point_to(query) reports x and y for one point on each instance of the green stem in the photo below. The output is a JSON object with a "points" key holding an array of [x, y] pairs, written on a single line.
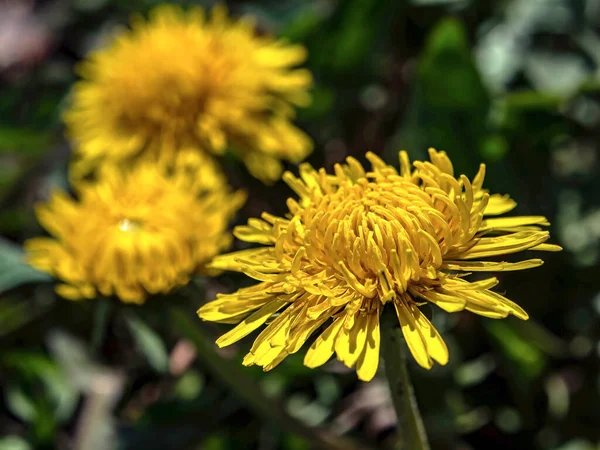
{"points": [[230, 375], [411, 429]]}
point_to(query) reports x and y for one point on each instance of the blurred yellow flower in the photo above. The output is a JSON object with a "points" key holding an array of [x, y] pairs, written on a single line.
{"points": [[135, 232], [181, 79], [357, 240]]}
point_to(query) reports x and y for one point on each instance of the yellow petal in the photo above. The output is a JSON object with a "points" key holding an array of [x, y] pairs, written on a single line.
{"points": [[231, 307], [435, 344], [367, 364], [502, 245], [69, 292], [251, 323], [449, 303], [499, 204], [509, 222], [323, 347], [547, 248], [491, 266], [412, 335], [350, 343]]}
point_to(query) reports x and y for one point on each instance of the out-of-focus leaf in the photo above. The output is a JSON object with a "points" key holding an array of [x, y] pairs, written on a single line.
{"points": [[102, 386], [450, 104], [474, 372], [215, 442], [309, 411], [14, 443], [19, 403], [527, 357], [508, 420], [447, 73], [347, 38], [305, 21], [40, 394], [578, 444], [558, 396], [560, 74], [73, 356], [293, 442], [190, 385], [322, 102], [149, 343], [14, 271], [23, 140], [328, 391]]}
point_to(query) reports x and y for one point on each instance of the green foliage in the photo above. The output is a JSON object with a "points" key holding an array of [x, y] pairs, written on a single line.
{"points": [[38, 392], [149, 343], [13, 269], [513, 84], [450, 104]]}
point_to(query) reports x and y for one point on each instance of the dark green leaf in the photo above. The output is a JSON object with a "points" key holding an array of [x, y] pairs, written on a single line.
{"points": [[13, 269], [149, 343]]}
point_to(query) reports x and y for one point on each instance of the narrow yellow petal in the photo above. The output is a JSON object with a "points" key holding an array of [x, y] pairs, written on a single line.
{"points": [[251, 323], [368, 362], [502, 245], [499, 204], [509, 222], [486, 311], [412, 335], [69, 292], [230, 307], [449, 303], [323, 347], [547, 248], [491, 266], [350, 343], [435, 344]]}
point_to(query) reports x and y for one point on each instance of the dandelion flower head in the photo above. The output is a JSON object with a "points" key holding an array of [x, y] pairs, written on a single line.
{"points": [[135, 232], [181, 79], [356, 240]]}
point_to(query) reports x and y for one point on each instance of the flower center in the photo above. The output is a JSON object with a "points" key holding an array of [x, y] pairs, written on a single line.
{"points": [[379, 240], [129, 226]]}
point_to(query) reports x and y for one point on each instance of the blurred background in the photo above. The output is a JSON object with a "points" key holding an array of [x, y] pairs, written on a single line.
{"points": [[512, 83]]}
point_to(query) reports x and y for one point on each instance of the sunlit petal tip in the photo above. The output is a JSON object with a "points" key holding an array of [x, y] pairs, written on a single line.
{"points": [[548, 248]]}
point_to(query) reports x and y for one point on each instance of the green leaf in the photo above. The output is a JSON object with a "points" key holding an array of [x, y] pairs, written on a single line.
{"points": [[23, 139], [14, 443], [14, 271], [38, 392], [527, 357], [149, 343], [450, 105], [189, 385], [19, 403]]}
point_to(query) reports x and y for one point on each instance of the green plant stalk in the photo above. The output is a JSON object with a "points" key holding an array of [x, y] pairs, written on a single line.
{"points": [[232, 377], [410, 425]]}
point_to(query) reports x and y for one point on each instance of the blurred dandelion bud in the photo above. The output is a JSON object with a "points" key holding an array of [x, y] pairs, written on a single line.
{"points": [[359, 239], [183, 79], [135, 231]]}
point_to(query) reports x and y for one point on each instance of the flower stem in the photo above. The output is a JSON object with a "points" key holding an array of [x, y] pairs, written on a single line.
{"points": [[247, 390], [411, 429]]}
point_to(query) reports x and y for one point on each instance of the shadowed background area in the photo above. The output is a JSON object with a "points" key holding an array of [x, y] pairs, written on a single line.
{"points": [[511, 83]]}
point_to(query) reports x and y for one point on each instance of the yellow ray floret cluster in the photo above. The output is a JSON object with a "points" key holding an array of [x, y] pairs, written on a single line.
{"points": [[135, 232], [356, 240], [181, 79]]}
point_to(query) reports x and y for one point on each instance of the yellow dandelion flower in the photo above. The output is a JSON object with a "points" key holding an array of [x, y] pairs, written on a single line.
{"points": [[135, 232], [185, 80], [356, 240]]}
